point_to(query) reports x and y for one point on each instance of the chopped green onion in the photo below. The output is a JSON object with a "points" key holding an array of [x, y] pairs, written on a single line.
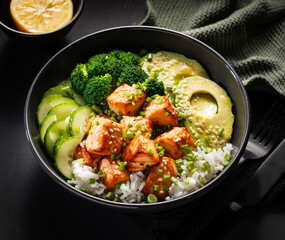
{"points": [[150, 151], [190, 164], [92, 114], [90, 131], [83, 189], [186, 181], [119, 156], [122, 165], [159, 100], [118, 185], [220, 131], [100, 173], [144, 128], [151, 198], [165, 187], [130, 124], [151, 182], [182, 115], [81, 162], [96, 122], [187, 148], [131, 129], [225, 163], [194, 170], [130, 135], [96, 109], [113, 156], [155, 188], [161, 153], [139, 92], [228, 156], [91, 180], [207, 139], [167, 177], [180, 170], [138, 126], [173, 179], [172, 97], [124, 133], [159, 172], [179, 161], [166, 114], [109, 195], [119, 117], [142, 114], [149, 57], [201, 179], [169, 87], [148, 99], [116, 199], [206, 165], [148, 134], [208, 150]]}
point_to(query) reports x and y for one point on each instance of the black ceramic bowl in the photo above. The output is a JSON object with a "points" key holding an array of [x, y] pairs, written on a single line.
{"points": [[134, 38], [9, 28]]}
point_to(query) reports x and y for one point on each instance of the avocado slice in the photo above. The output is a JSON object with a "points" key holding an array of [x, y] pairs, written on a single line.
{"points": [[172, 67], [208, 109]]}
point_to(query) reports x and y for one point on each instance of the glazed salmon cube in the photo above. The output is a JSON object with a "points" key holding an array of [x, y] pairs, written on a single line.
{"points": [[159, 178], [140, 153], [126, 100], [161, 112], [105, 137], [112, 173], [173, 141], [89, 159], [138, 125]]}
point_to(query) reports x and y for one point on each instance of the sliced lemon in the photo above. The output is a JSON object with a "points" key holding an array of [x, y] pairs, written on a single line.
{"points": [[39, 16]]}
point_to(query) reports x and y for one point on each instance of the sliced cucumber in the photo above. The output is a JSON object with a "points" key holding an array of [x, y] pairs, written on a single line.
{"points": [[50, 140], [60, 125], [78, 121], [59, 140], [65, 91], [64, 110], [48, 103], [48, 120], [79, 99], [63, 156]]}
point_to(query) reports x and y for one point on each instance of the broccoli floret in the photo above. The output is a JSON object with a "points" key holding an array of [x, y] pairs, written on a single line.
{"points": [[132, 74], [153, 86], [114, 66], [127, 58], [97, 90], [79, 78]]}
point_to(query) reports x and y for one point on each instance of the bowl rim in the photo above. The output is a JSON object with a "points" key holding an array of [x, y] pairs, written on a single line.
{"points": [[135, 206], [74, 18]]}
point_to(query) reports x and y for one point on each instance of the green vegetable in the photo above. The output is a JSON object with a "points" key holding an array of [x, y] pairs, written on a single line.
{"points": [[79, 78], [152, 86], [150, 151], [91, 180], [156, 188], [97, 90], [159, 172], [167, 177], [220, 131], [187, 148], [109, 195], [131, 74], [151, 198]]}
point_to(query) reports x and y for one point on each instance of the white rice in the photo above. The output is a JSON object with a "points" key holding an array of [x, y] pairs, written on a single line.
{"points": [[131, 191]]}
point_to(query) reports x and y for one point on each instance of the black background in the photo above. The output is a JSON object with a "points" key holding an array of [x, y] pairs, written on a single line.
{"points": [[33, 206]]}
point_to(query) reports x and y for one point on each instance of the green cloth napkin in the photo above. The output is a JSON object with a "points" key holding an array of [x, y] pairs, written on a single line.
{"points": [[250, 35]]}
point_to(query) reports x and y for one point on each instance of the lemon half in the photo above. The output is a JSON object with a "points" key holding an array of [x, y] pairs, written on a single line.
{"points": [[39, 16]]}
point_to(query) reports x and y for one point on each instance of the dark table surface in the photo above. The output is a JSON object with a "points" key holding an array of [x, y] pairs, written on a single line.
{"points": [[32, 205]]}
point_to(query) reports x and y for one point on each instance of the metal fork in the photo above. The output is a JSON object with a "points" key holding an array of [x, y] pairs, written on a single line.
{"points": [[262, 139]]}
